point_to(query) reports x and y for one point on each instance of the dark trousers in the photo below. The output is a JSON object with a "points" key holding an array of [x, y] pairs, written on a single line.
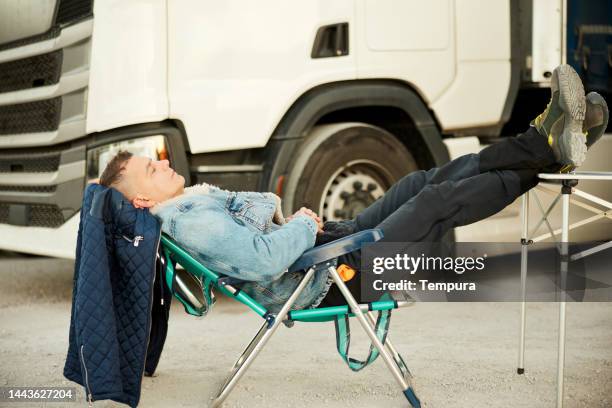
{"points": [[424, 205]]}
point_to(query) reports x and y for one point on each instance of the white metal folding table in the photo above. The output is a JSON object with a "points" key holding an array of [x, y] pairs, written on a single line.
{"points": [[567, 181]]}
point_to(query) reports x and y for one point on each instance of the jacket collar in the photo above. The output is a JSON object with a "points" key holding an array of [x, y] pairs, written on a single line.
{"points": [[200, 189], [204, 189]]}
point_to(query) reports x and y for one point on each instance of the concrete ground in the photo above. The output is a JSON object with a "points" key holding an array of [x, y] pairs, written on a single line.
{"points": [[462, 355]]}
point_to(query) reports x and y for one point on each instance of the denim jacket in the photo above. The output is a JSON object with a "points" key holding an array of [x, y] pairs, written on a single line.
{"points": [[244, 235]]}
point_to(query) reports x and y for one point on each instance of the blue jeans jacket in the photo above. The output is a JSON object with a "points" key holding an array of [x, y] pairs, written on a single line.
{"points": [[244, 235]]}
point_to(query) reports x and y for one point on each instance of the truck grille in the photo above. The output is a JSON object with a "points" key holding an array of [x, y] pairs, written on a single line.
{"points": [[48, 216], [30, 162], [29, 189], [42, 116], [45, 216], [32, 117], [72, 10], [39, 70], [67, 12]]}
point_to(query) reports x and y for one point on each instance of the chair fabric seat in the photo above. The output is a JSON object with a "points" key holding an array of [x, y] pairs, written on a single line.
{"points": [[336, 248]]}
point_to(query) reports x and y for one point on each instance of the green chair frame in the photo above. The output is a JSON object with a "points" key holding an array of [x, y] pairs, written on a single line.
{"points": [[363, 313]]}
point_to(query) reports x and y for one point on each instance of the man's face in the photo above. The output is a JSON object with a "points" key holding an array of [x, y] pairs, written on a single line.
{"points": [[152, 179]]}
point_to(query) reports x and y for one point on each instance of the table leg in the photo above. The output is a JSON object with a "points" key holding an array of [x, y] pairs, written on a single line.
{"points": [[566, 191], [524, 252]]}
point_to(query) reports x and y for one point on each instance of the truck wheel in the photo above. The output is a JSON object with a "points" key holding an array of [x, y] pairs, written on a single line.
{"points": [[343, 168]]}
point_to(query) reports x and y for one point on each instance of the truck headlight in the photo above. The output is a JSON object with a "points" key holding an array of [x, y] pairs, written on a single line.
{"points": [[153, 147]]}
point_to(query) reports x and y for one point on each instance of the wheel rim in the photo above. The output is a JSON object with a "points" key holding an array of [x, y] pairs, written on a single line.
{"points": [[352, 188]]}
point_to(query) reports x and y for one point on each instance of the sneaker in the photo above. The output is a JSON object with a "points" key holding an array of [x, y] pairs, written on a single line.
{"points": [[595, 122], [596, 118], [562, 120]]}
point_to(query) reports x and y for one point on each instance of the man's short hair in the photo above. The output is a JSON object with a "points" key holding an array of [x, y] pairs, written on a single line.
{"points": [[113, 173]]}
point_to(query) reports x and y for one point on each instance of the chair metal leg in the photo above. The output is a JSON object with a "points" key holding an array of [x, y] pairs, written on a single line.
{"points": [[392, 350], [251, 345], [361, 318], [258, 343], [387, 344], [245, 354], [524, 252]]}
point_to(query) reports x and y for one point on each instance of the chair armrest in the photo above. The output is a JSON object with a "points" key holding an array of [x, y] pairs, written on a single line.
{"points": [[335, 248]]}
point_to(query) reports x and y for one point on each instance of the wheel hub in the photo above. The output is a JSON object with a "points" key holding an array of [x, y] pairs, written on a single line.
{"points": [[351, 191]]}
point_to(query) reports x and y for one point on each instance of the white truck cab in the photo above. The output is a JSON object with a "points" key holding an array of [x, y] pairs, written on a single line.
{"points": [[324, 103]]}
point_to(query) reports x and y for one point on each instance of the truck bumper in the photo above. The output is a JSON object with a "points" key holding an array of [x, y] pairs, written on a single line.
{"points": [[56, 242]]}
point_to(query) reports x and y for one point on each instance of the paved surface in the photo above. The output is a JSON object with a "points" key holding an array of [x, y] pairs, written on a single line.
{"points": [[463, 355]]}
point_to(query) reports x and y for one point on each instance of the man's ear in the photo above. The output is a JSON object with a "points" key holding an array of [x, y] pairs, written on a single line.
{"points": [[142, 202]]}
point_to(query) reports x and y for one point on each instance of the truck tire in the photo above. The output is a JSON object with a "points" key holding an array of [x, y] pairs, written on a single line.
{"points": [[342, 168]]}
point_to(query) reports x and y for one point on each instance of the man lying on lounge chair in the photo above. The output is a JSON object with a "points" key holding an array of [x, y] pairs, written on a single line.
{"points": [[244, 234]]}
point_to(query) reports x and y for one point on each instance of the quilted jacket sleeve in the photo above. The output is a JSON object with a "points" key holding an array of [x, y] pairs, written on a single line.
{"points": [[72, 369], [98, 352]]}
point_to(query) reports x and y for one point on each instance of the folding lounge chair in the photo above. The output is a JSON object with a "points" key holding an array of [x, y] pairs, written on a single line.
{"points": [[321, 257]]}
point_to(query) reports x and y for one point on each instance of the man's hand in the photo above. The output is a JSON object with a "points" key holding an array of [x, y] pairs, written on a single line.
{"points": [[311, 214]]}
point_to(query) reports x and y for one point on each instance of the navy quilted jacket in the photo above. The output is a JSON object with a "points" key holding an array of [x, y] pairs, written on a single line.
{"points": [[118, 321]]}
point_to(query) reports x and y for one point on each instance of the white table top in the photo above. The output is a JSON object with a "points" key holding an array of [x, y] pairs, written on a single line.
{"points": [[579, 175]]}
